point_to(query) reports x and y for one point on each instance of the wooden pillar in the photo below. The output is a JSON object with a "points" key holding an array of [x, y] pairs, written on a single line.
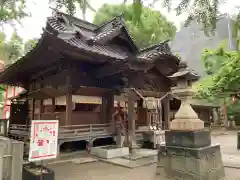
{"points": [[68, 108], [104, 110], [69, 103], [33, 109], [131, 122], [53, 105], [40, 104], [109, 106], [166, 108]]}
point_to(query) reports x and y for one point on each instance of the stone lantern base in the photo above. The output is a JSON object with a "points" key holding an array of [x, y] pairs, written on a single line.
{"points": [[203, 163], [188, 153]]}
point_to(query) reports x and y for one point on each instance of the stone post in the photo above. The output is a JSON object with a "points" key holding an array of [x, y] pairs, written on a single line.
{"points": [[1, 160], [17, 160]]}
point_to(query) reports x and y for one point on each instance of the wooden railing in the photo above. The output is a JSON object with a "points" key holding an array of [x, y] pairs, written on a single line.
{"points": [[67, 131], [84, 130], [18, 129]]}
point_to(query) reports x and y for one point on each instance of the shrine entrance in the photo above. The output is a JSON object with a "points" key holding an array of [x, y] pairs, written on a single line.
{"points": [[19, 113], [155, 116], [155, 112]]}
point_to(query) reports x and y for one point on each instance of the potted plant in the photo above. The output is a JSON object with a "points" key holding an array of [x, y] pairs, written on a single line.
{"points": [[32, 171]]}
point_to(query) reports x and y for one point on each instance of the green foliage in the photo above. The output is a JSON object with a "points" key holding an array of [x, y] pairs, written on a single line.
{"points": [[223, 68], [153, 28], [12, 50], [29, 45], [223, 80], [213, 59], [205, 12], [15, 46], [12, 10], [3, 47], [227, 79]]}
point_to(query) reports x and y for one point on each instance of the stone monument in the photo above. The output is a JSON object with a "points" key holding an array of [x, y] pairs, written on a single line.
{"points": [[188, 153]]}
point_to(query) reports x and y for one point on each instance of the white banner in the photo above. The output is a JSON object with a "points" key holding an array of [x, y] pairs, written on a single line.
{"points": [[76, 99], [43, 140]]}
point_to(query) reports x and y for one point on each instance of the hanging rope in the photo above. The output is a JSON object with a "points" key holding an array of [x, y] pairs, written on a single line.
{"points": [[158, 104]]}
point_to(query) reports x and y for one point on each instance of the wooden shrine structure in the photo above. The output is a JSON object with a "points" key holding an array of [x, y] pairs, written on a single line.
{"points": [[77, 69]]}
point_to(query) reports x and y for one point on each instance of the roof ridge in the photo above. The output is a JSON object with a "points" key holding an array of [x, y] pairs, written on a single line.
{"points": [[154, 46], [111, 20], [71, 18], [124, 26], [74, 17]]}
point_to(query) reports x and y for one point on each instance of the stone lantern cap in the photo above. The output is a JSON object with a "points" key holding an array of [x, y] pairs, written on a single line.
{"points": [[184, 73]]}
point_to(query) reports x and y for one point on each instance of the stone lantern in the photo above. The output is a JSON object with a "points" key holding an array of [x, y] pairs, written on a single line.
{"points": [[185, 118], [187, 152]]}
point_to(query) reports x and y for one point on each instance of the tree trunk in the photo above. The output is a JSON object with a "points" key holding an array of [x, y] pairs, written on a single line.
{"points": [[225, 113]]}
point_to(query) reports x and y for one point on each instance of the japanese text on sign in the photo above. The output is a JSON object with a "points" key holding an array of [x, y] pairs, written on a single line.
{"points": [[44, 139]]}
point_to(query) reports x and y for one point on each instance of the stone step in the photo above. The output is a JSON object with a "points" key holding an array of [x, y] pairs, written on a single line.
{"points": [[132, 163]]}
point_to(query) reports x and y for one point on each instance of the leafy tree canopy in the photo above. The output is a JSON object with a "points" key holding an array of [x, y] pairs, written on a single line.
{"points": [[29, 45], [223, 79], [13, 49], [153, 29], [205, 12], [223, 69], [12, 10]]}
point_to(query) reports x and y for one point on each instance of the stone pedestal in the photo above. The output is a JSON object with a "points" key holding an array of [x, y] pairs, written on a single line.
{"points": [[188, 153], [190, 139], [190, 163], [120, 140]]}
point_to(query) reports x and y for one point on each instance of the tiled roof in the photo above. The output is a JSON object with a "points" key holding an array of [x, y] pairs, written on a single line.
{"points": [[77, 38], [96, 48], [106, 35], [96, 41], [75, 35], [155, 51]]}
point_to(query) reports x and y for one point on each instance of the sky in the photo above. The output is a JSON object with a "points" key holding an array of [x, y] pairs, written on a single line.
{"points": [[31, 27]]}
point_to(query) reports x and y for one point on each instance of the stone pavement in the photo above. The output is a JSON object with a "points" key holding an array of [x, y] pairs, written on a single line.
{"points": [[74, 170], [104, 171], [230, 154]]}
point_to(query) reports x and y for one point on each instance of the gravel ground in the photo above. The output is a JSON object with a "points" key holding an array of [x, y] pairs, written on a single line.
{"points": [[104, 171]]}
